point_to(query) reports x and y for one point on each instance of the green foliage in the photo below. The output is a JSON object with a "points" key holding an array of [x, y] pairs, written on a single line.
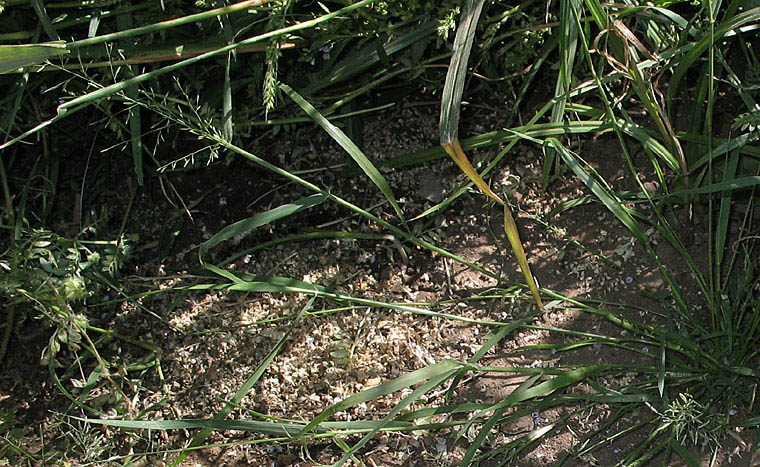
{"points": [[49, 277], [748, 121]]}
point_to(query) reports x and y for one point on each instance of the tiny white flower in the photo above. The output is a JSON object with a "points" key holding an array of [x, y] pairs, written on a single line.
{"points": [[222, 201]]}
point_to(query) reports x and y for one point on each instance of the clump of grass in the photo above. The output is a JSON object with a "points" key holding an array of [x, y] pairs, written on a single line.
{"points": [[613, 62]]}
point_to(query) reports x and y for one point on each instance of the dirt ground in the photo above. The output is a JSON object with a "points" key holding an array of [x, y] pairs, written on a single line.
{"points": [[213, 340]]}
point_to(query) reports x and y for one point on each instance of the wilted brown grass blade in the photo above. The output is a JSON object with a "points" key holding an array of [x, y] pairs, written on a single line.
{"points": [[454, 149]]}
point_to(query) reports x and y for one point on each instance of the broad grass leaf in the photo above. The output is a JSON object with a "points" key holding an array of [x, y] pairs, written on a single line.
{"points": [[455, 77], [13, 57]]}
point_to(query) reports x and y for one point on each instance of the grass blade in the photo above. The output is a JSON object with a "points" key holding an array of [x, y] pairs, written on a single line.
{"points": [[13, 57], [687, 457], [47, 25], [356, 63], [434, 371], [568, 43], [70, 107], [124, 21], [707, 40], [449, 131], [345, 142], [493, 420], [433, 382], [528, 391], [454, 86], [259, 220]]}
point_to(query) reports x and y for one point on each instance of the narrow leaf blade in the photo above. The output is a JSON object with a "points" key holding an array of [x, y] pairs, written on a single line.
{"points": [[345, 142]]}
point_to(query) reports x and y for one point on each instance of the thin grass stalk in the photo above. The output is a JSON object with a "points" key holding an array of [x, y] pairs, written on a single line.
{"points": [[163, 25], [713, 254]]}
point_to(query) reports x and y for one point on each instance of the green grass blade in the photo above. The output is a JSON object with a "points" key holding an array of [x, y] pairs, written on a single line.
{"points": [[269, 428], [345, 142], [568, 43], [259, 220], [167, 24], [13, 57], [433, 382], [283, 284], [364, 213], [70, 107], [493, 420], [47, 25], [528, 391], [304, 237], [684, 453], [726, 185], [124, 21], [229, 36], [721, 229], [227, 128], [597, 12], [707, 40], [454, 85], [661, 373], [362, 60], [497, 137]]}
